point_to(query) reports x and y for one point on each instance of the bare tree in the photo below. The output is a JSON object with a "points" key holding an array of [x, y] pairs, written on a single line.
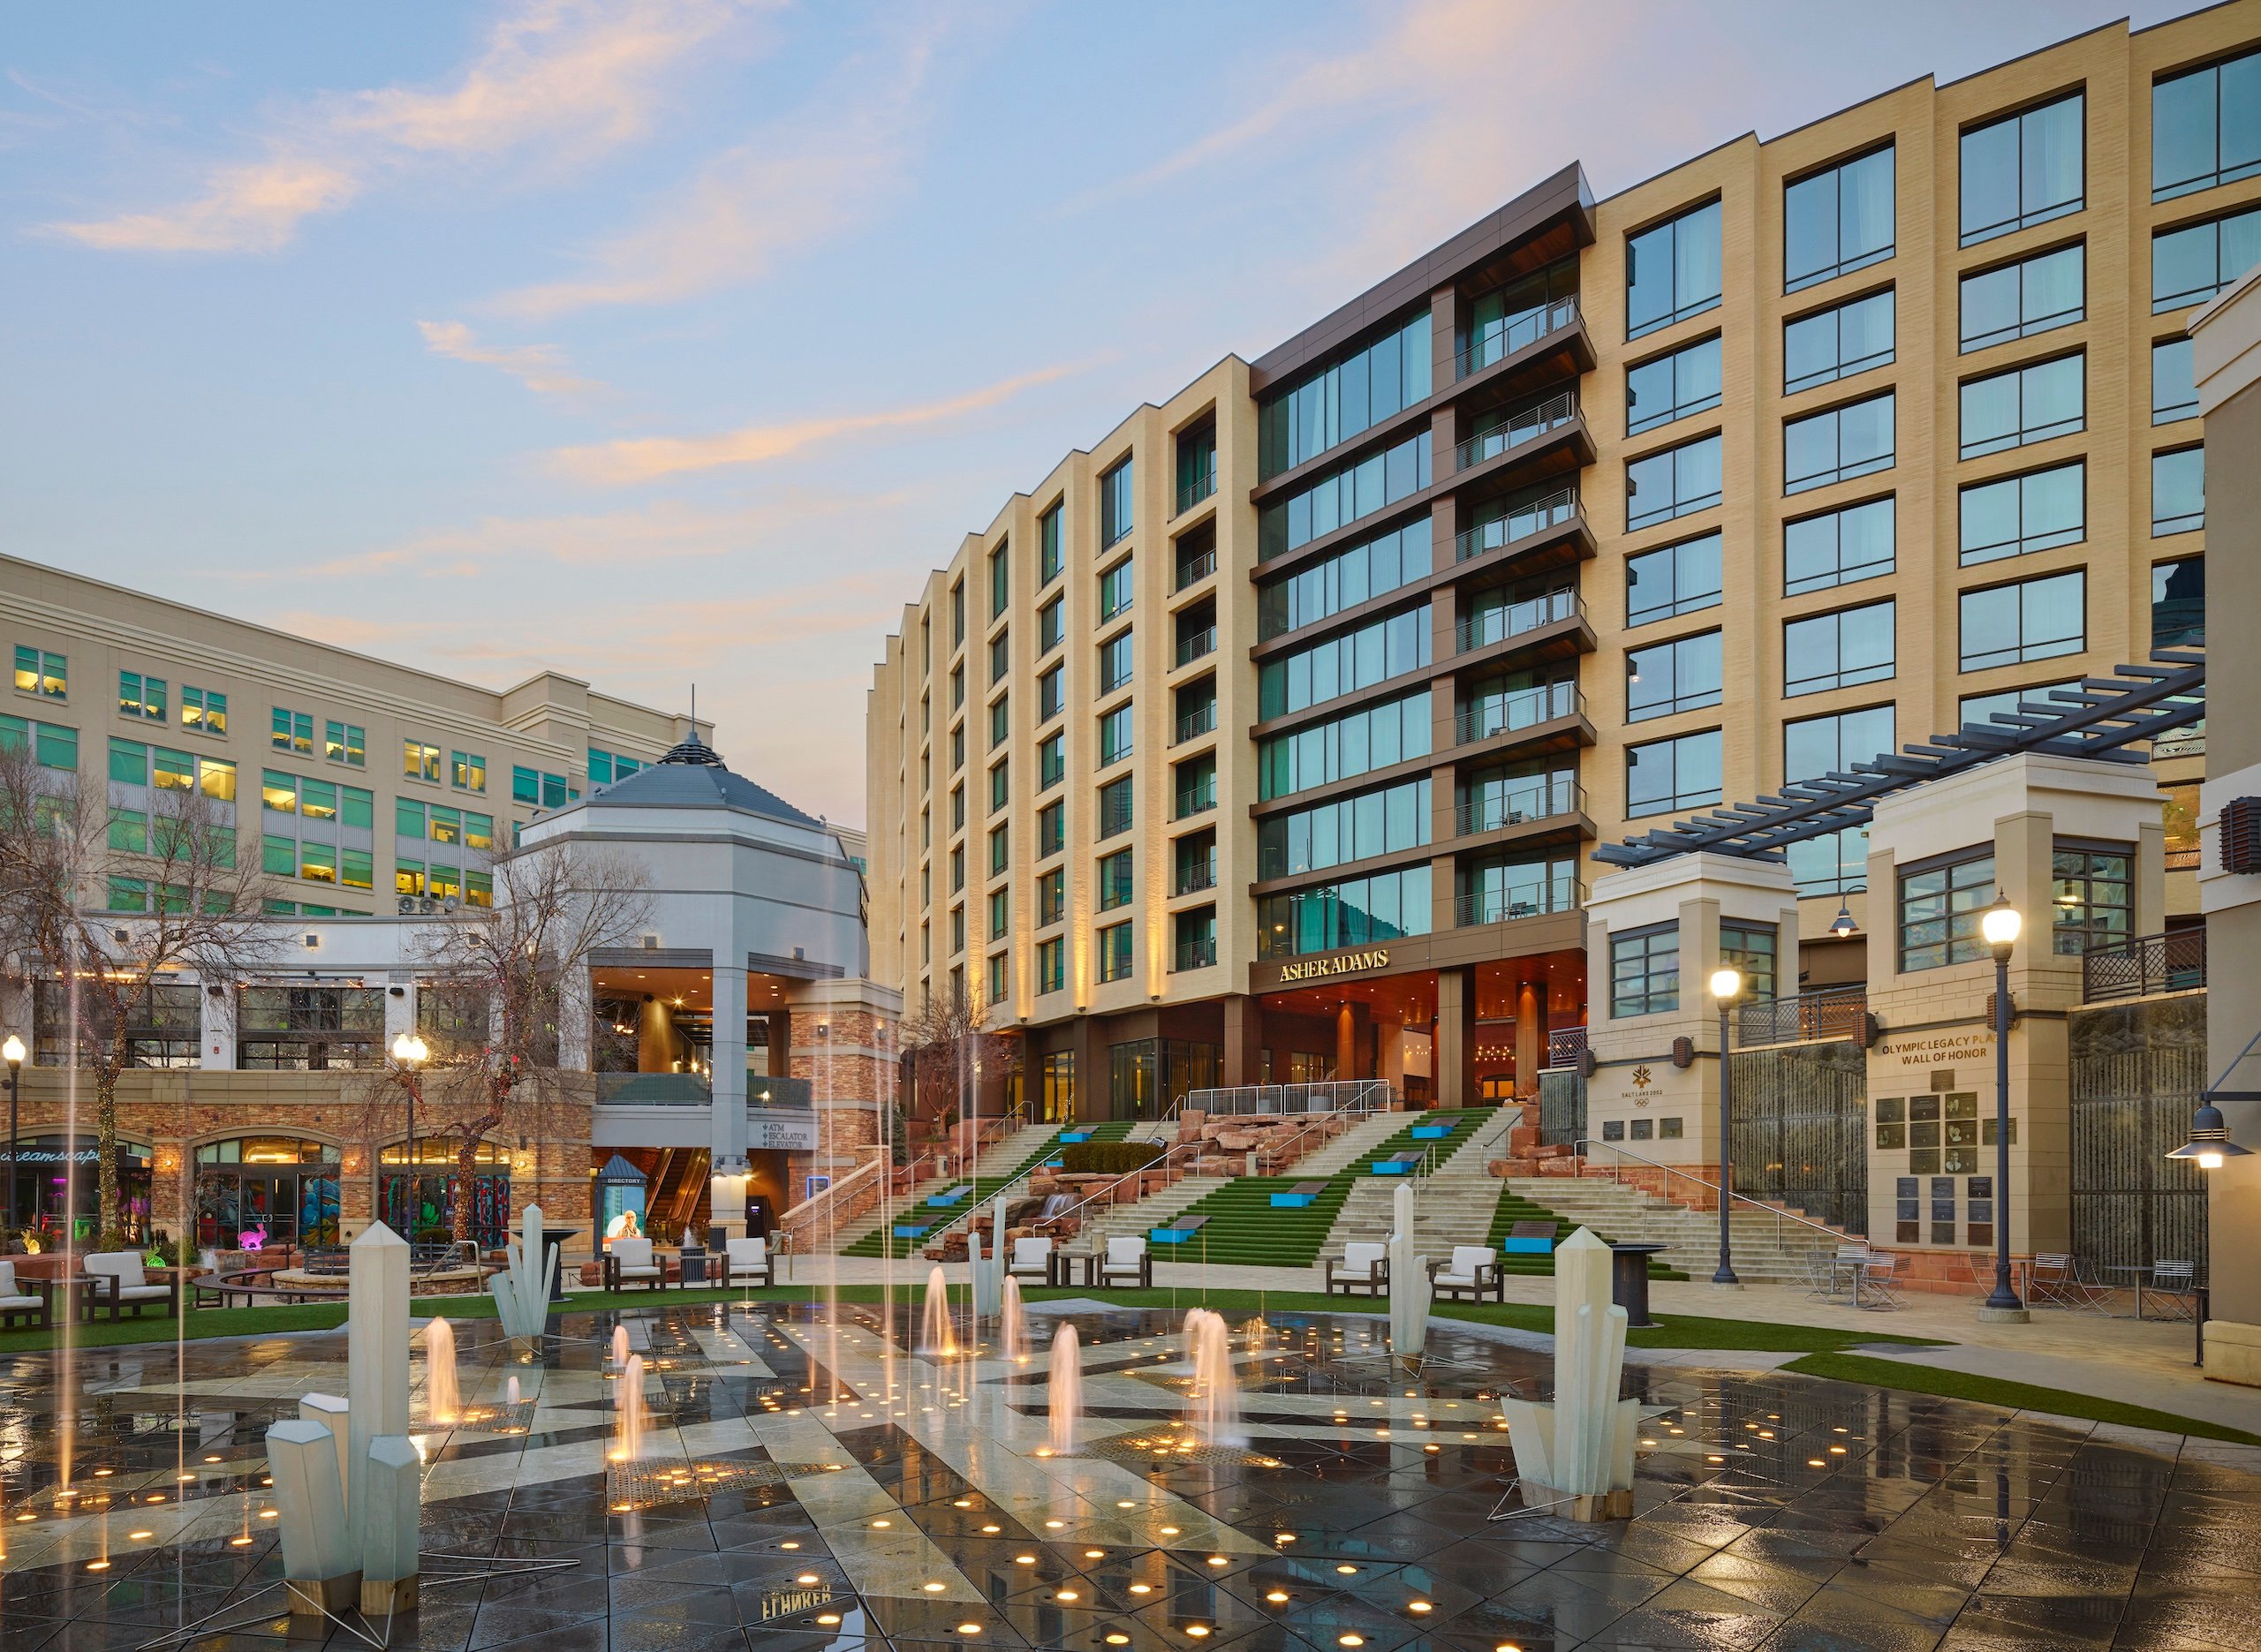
{"points": [[112, 903], [505, 992], [946, 1048]]}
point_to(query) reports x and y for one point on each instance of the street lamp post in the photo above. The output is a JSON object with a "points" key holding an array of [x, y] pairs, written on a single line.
{"points": [[2000, 925], [1726, 986], [409, 1050], [12, 1053]]}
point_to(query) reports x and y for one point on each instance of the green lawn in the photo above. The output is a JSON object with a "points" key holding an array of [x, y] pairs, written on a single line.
{"points": [[1987, 1390]]}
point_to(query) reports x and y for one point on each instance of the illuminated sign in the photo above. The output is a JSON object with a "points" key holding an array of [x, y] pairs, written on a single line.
{"points": [[1328, 968]]}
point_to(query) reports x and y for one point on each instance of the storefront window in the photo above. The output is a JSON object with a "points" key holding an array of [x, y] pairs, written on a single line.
{"points": [[266, 1192], [419, 1201], [54, 1173]]}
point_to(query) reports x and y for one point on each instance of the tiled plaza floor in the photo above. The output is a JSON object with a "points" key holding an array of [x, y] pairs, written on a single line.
{"points": [[919, 1508]]}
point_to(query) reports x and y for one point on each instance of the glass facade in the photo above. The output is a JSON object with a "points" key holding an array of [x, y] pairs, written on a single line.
{"points": [[1324, 409], [1356, 491], [1373, 737], [1344, 580], [1505, 320], [1356, 660], [1383, 822], [1356, 912]]}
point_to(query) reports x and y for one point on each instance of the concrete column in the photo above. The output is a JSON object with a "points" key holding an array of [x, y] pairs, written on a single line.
{"points": [[400, 1013], [1244, 1061], [655, 1040], [1346, 1044], [1453, 1083], [219, 1053], [575, 1011], [726, 1119], [781, 1041], [377, 1352], [1389, 1053], [1531, 1036], [1094, 1103]]}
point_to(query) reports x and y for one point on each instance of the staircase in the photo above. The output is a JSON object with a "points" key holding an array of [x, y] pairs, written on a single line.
{"points": [[1004, 1160], [1139, 1216], [1765, 1252], [1452, 1205]]}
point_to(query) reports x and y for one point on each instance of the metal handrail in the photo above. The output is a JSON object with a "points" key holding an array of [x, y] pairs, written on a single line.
{"points": [[1518, 708], [1196, 957], [1206, 879], [1518, 428], [1826, 1013], [1833, 1235], [1539, 514], [1106, 1191], [1196, 801], [2172, 962], [1541, 797], [1503, 906], [976, 1200], [1198, 568], [1515, 332], [1194, 724], [1345, 1095], [1199, 645], [804, 1214], [1488, 626]]}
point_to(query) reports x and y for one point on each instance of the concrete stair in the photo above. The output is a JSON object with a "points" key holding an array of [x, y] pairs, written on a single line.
{"points": [[1452, 1207], [1766, 1251], [1154, 1211], [1002, 1157]]}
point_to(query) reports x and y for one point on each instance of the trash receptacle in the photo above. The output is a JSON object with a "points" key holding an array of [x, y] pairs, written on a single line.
{"points": [[694, 1263]]}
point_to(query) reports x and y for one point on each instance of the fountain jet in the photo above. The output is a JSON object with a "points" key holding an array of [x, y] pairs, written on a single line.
{"points": [[1012, 1335], [1215, 1403], [936, 1334], [628, 1400], [1067, 1389], [442, 1402], [619, 1347]]}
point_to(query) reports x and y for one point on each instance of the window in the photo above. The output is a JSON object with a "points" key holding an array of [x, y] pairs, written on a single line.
{"points": [[1114, 953], [526, 786], [420, 762], [1115, 662], [2192, 264], [129, 764], [1939, 912], [1856, 440], [1837, 651], [1115, 734], [1051, 965], [2023, 405], [957, 929], [1373, 653], [1373, 737], [605, 767], [2020, 515], [467, 770], [1837, 343], [957, 878], [1677, 385], [1195, 784], [1344, 495], [1668, 775], [1051, 626], [957, 685], [1672, 272], [2049, 290], [1837, 221], [1115, 504], [1114, 880], [997, 973], [957, 614], [1000, 656], [344, 742], [1114, 589], [998, 788], [1682, 578], [1751, 947], [52, 745], [1051, 694], [1196, 939], [1980, 708], [1000, 848], [1816, 746], [1512, 795], [203, 708], [2022, 170], [1838, 548], [535, 786], [1644, 971], [2178, 491], [2206, 127], [1051, 554], [1051, 829], [141, 696], [318, 801], [292, 731], [2174, 386], [129, 831], [958, 747], [1051, 763], [1001, 579], [1196, 857], [2179, 603], [1384, 822], [958, 808], [2034, 619], [1114, 807], [40, 671], [1834, 862], [1672, 483], [1344, 580], [2092, 898], [1329, 407], [1675, 676], [1000, 913], [1197, 463], [1051, 897], [1355, 912]]}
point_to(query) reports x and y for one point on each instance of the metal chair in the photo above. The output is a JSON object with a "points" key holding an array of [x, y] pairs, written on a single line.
{"points": [[2178, 1283], [1872, 1286], [2057, 1280]]}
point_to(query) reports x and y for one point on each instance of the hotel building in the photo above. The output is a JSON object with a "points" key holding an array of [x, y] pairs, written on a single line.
{"points": [[1268, 739]]}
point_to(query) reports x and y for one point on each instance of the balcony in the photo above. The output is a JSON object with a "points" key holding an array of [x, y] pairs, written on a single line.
{"points": [[1196, 799], [1533, 422], [1194, 879], [1197, 486], [1551, 510], [2172, 963], [1519, 803], [1193, 725], [1513, 619], [1517, 334], [1534, 896], [693, 1089], [1200, 645], [1519, 708], [1822, 1016], [1199, 955], [1194, 569]]}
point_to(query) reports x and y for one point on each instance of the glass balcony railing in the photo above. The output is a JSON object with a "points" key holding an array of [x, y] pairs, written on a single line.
{"points": [[1196, 954], [1518, 428], [1504, 338], [1196, 799], [1195, 724], [1519, 894], [1202, 643], [1193, 879], [1518, 802], [1194, 569], [1197, 486], [1518, 522], [1488, 626], [1504, 712]]}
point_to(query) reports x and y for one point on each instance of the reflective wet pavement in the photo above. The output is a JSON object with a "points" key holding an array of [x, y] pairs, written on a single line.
{"points": [[919, 1509]]}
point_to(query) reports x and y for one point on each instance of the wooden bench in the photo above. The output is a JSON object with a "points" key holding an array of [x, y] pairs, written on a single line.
{"points": [[1397, 1165], [1530, 1238], [1177, 1230], [1298, 1196]]}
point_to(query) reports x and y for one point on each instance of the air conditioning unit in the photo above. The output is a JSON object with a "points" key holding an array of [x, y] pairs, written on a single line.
{"points": [[649, 940]]}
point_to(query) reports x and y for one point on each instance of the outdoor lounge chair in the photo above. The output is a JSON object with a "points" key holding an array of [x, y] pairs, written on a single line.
{"points": [[115, 1280], [1032, 1259], [630, 1261], [1473, 1273], [1364, 1265], [1127, 1262], [17, 1303], [747, 1261]]}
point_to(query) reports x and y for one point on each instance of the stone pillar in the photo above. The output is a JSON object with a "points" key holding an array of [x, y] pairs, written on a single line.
{"points": [[1389, 1053], [781, 1040], [1454, 1082], [1094, 1100], [1346, 1044], [655, 1041], [1244, 1061]]}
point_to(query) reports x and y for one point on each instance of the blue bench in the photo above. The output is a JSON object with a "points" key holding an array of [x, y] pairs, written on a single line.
{"points": [[942, 1201], [1530, 1238], [1397, 1165], [904, 1230], [1067, 1136], [1431, 1132], [1298, 1196], [1178, 1233]]}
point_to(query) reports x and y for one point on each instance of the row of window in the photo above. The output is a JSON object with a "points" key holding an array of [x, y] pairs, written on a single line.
{"points": [[1644, 965]]}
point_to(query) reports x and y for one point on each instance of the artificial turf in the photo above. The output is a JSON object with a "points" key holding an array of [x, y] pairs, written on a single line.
{"points": [[1931, 1379]]}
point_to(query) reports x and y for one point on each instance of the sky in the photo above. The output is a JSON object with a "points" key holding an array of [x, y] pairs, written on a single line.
{"points": [[672, 342]]}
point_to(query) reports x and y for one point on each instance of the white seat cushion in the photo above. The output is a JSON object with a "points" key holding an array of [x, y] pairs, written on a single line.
{"points": [[143, 1292], [124, 1266], [749, 1253], [1123, 1251], [1468, 1258], [1031, 1253], [8, 1279], [632, 1254], [639, 1273], [9, 1304], [1461, 1280]]}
